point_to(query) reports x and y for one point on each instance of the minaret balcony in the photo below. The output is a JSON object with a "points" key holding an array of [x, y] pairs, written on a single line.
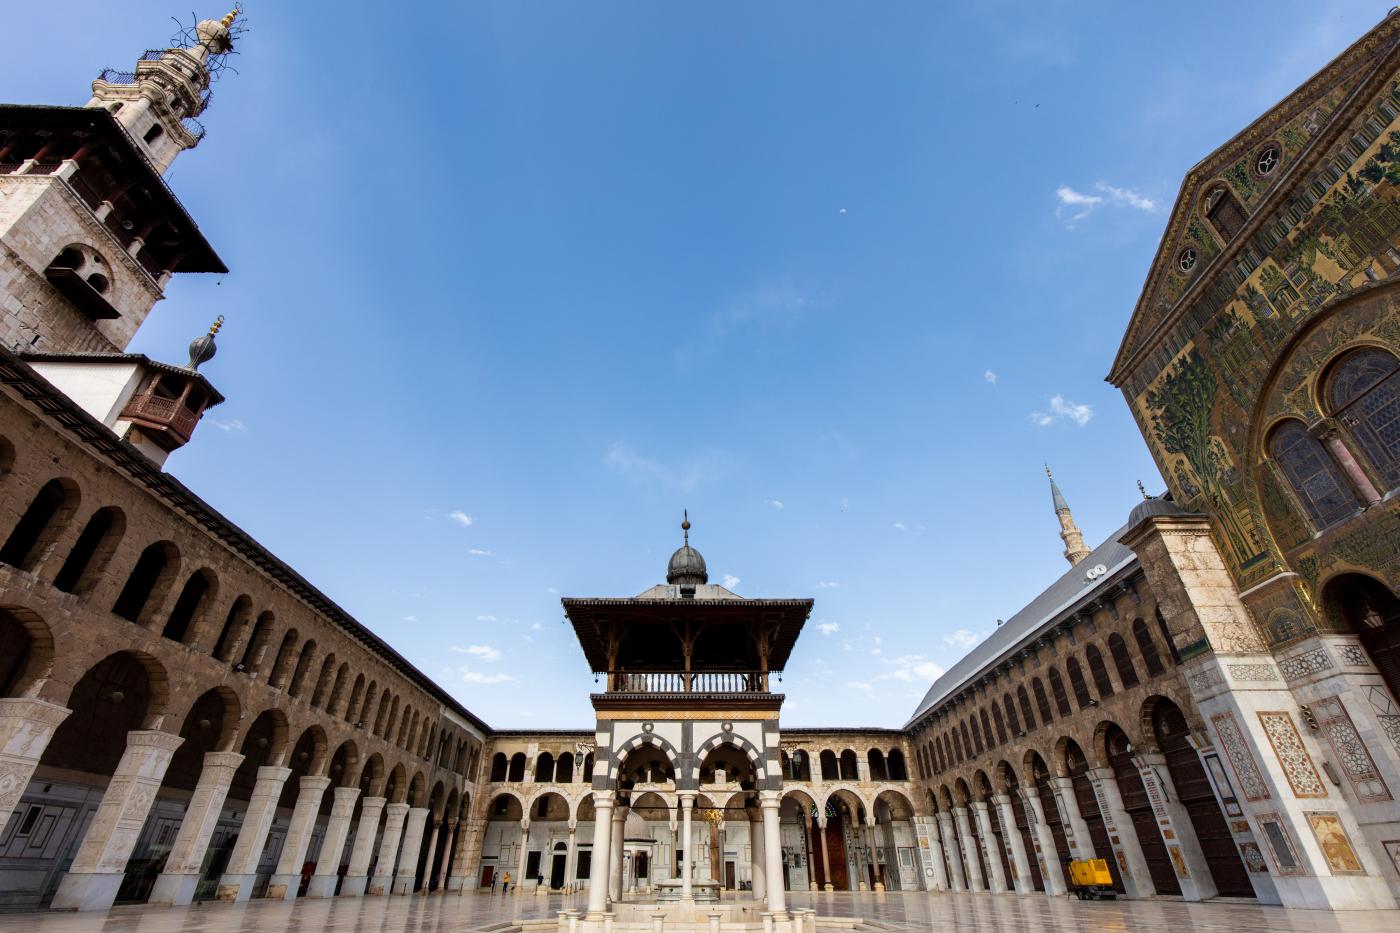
{"points": [[165, 417], [680, 682]]}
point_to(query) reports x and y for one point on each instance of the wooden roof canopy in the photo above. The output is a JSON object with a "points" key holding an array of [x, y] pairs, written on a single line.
{"points": [[687, 634]]}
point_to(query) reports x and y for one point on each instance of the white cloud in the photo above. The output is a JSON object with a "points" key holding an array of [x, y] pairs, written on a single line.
{"points": [[535, 627], [769, 304], [480, 652], [843, 210], [730, 581], [486, 618], [776, 503], [990, 377], [962, 638], [1075, 205], [911, 669], [900, 526], [1062, 409], [410, 618], [470, 676], [233, 424], [828, 585], [707, 467], [859, 685], [460, 517], [479, 552], [828, 628], [551, 589]]}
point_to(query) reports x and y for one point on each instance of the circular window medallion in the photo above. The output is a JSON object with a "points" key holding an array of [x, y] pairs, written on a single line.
{"points": [[647, 727], [727, 726], [1268, 159], [1186, 260]]}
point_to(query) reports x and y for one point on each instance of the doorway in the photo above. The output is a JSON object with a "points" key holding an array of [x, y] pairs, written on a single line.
{"points": [[556, 867]]}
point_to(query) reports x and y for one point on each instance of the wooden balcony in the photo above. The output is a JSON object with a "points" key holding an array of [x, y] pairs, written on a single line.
{"points": [[680, 682], [165, 418]]}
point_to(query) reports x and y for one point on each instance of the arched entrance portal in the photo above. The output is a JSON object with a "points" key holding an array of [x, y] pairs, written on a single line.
{"points": [[1198, 797], [1077, 767], [1139, 810]]}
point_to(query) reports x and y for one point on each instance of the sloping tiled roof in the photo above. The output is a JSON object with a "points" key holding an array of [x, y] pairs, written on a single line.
{"points": [[1059, 600]]}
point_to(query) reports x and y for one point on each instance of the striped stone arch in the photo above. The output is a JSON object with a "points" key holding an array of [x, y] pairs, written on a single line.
{"points": [[754, 753], [621, 752], [830, 790], [546, 791]]}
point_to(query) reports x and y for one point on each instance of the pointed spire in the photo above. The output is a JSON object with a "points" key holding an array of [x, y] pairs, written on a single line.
{"points": [[685, 525], [1075, 550]]}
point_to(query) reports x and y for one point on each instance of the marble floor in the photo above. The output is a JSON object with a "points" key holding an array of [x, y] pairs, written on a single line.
{"points": [[967, 913]]}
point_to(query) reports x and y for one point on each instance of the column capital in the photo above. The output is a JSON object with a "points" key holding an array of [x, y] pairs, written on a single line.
{"points": [[315, 782], [347, 794], [770, 799], [36, 710], [230, 760], [396, 807], [688, 798], [273, 772], [153, 738], [372, 801], [524, 822], [603, 800]]}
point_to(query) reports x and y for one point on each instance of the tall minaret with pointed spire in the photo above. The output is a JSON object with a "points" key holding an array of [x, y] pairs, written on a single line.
{"points": [[1075, 551]]}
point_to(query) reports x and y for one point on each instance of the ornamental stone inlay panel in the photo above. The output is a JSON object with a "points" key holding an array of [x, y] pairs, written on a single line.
{"points": [[1253, 673], [1204, 680], [1361, 770], [1288, 748], [1232, 740], [1304, 664], [1353, 656], [1391, 725]]}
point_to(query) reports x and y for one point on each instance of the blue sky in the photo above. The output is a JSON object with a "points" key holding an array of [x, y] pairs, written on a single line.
{"points": [[513, 283]]}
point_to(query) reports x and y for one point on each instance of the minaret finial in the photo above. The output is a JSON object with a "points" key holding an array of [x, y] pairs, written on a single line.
{"points": [[685, 525], [230, 17], [202, 348], [1143, 489], [1075, 550]]}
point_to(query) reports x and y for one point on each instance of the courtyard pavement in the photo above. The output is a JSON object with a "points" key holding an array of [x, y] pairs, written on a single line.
{"points": [[966, 913]]}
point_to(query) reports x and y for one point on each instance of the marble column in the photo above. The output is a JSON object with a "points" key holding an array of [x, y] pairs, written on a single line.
{"points": [[1178, 832], [619, 819], [366, 830], [438, 875], [570, 854], [465, 874], [1122, 835], [1011, 836], [935, 872], [327, 873], [872, 832], [688, 853], [971, 864], [26, 726], [176, 884], [826, 856], [287, 878], [97, 870], [434, 827], [242, 869], [997, 882], [1081, 844], [757, 863], [958, 881], [1051, 870], [602, 840], [771, 801], [382, 881], [407, 872]]}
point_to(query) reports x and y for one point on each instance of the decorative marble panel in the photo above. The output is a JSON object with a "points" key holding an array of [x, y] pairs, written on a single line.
{"points": [[1285, 856], [1232, 740], [1204, 680], [1353, 656], [1288, 748], [1253, 673], [1391, 725], [1336, 845], [1356, 761], [1301, 666], [1380, 699], [1253, 858]]}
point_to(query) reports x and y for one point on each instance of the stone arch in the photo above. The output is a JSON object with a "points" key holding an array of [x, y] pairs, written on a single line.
{"points": [[557, 806], [646, 738], [373, 776], [43, 520], [282, 661], [344, 768], [981, 786], [255, 650], [352, 705], [158, 684], [236, 625], [397, 787], [305, 658], [231, 710], [269, 732], [1096, 749], [189, 616], [90, 554], [155, 571], [962, 794], [738, 741], [892, 795], [810, 802], [852, 797], [945, 798], [324, 680], [312, 750], [1004, 778], [520, 802], [26, 652], [437, 799], [418, 790]]}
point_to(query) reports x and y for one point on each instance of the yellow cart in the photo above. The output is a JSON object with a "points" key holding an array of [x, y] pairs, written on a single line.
{"points": [[1089, 879]]}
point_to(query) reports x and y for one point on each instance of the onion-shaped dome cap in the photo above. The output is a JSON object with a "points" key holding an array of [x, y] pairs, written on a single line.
{"points": [[1152, 506], [687, 566]]}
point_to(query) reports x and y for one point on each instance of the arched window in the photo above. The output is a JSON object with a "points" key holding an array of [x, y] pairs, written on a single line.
{"points": [[1311, 472], [1042, 701], [894, 764], [187, 606], [39, 524], [499, 764], [1000, 723], [1118, 648], [829, 769], [1363, 392], [564, 768], [849, 771], [1057, 687], [586, 775], [986, 729], [1024, 699], [976, 734], [517, 767], [1224, 212], [283, 660], [1012, 719], [544, 768], [91, 552], [1147, 648], [256, 650], [152, 568], [1098, 671], [875, 759], [959, 737], [938, 747], [298, 684], [1076, 681]]}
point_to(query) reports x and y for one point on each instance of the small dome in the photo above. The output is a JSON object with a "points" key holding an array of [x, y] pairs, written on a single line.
{"points": [[687, 567], [1153, 506]]}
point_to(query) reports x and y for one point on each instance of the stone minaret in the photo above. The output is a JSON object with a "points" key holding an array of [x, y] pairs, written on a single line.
{"points": [[1075, 551], [158, 103]]}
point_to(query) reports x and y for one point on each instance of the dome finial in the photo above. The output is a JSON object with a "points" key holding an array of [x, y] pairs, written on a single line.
{"points": [[685, 525], [202, 349], [229, 17], [1143, 489]]}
